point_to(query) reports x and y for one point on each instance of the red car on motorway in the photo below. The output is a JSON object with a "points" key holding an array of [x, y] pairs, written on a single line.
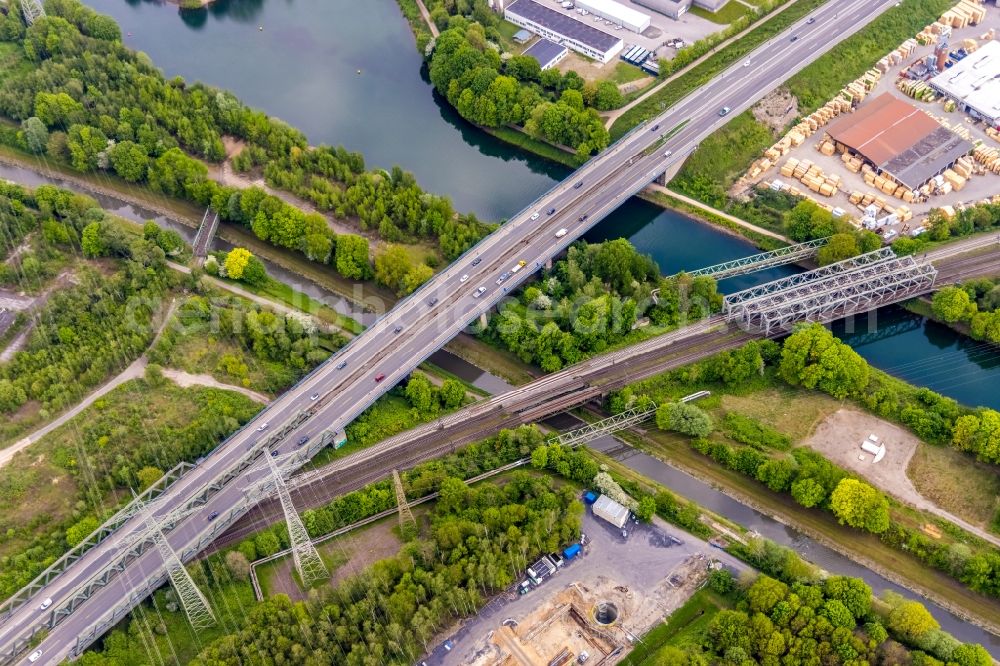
{"points": [[380, 376]]}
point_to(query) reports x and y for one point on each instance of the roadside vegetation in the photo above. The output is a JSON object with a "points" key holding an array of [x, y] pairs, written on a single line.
{"points": [[812, 359], [974, 304], [593, 300]]}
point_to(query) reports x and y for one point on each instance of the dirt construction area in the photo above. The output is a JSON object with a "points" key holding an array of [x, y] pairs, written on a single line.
{"points": [[598, 603], [839, 438]]}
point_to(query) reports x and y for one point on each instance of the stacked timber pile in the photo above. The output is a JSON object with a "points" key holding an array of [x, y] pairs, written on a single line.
{"points": [[812, 176], [993, 133], [988, 156], [916, 89], [865, 200], [903, 52], [888, 185], [965, 13], [958, 128]]}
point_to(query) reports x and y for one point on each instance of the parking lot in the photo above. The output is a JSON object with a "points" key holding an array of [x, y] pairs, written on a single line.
{"points": [[641, 564]]}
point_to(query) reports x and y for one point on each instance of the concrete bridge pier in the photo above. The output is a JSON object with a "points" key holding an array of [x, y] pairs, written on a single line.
{"points": [[548, 264], [484, 321]]}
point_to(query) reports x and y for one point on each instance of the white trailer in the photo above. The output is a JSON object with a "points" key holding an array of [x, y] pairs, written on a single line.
{"points": [[611, 511]]}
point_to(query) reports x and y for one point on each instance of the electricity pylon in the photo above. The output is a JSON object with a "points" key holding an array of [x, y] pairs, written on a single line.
{"points": [[405, 515], [307, 560], [32, 10], [195, 605]]}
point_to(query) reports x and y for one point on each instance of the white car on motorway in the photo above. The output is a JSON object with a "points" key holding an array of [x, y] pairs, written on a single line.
{"points": [[262, 427], [534, 216], [463, 278], [35, 656], [45, 604], [479, 292], [561, 233]]}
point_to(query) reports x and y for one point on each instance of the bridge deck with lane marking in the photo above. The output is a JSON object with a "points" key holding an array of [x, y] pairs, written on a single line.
{"points": [[608, 180]]}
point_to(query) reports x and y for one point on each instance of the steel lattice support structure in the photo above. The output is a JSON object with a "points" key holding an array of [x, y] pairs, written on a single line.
{"points": [[32, 10], [25, 594], [195, 604], [307, 560], [734, 300], [592, 431], [841, 296], [757, 262], [405, 515]]}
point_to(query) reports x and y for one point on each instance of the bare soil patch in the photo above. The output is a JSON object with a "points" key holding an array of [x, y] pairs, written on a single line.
{"points": [[777, 109]]}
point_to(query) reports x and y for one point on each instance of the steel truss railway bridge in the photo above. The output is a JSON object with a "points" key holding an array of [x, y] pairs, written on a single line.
{"points": [[139, 549]]}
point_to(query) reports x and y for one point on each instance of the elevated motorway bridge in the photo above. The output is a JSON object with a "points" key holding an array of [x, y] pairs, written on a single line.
{"points": [[94, 588]]}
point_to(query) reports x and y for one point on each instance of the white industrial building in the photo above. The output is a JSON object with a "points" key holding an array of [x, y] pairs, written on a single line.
{"points": [[676, 8], [974, 83], [611, 511], [563, 29], [617, 13]]}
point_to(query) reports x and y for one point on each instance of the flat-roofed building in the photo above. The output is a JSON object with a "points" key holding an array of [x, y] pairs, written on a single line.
{"points": [[898, 140], [563, 29], [617, 13], [974, 83], [711, 5], [611, 511], [671, 8], [546, 53]]}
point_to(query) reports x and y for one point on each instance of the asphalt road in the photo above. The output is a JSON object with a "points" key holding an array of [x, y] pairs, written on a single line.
{"points": [[381, 357]]}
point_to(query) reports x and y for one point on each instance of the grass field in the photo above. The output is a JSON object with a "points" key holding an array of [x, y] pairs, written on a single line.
{"points": [[685, 628], [283, 293], [956, 483], [624, 72], [728, 13], [532, 144]]}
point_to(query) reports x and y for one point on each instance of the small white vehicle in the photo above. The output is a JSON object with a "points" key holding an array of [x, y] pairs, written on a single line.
{"points": [[479, 292], [561, 233], [45, 604], [534, 216], [668, 153], [746, 64], [35, 656], [463, 278], [262, 427]]}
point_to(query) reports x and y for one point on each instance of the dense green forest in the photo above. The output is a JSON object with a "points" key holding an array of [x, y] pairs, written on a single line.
{"points": [[975, 303], [812, 358], [84, 99], [591, 300]]}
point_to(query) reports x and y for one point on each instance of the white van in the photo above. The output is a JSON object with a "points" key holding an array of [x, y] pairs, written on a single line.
{"points": [[561, 233]]}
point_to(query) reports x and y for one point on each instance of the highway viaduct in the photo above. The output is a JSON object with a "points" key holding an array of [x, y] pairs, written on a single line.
{"points": [[93, 589]]}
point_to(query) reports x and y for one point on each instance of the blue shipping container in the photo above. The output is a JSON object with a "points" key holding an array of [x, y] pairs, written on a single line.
{"points": [[589, 497], [572, 551]]}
